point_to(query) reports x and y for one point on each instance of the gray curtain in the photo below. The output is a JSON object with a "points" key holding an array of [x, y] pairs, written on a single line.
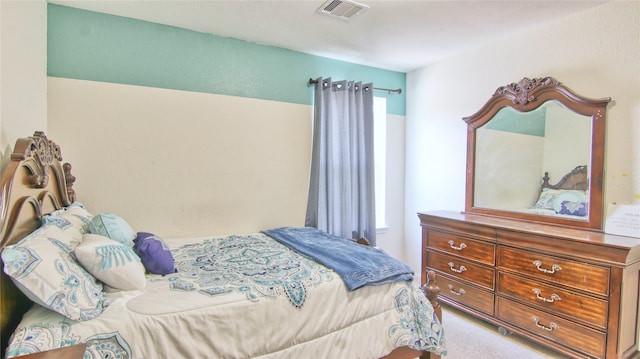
{"points": [[342, 188]]}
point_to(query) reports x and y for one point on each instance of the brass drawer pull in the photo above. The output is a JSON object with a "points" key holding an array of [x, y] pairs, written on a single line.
{"points": [[552, 326], [554, 296], [458, 293], [460, 270], [554, 268], [459, 248]]}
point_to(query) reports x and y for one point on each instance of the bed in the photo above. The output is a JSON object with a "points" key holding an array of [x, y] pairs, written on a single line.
{"points": [[258, 295], [567, 198]]}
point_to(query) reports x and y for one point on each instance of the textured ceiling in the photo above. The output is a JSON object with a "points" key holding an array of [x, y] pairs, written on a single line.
{"points": [[393, 35]]}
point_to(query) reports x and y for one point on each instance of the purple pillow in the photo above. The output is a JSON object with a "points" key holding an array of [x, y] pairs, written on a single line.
{"points": [[574, 208], [154, 253]]}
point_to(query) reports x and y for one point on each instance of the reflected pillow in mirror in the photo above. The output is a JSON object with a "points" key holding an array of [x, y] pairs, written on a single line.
{"points": [[573, 208], [568, 195], [552, 198], [545, 200]]}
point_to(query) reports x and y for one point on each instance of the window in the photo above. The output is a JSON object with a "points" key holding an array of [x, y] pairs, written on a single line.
{"points": [[380, 156]]}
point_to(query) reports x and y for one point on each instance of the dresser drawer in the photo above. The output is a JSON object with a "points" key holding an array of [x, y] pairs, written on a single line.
{"points": [[465, 294], [470, 249], [562, 271], [589, 309], [458, 268], [578, 337]]}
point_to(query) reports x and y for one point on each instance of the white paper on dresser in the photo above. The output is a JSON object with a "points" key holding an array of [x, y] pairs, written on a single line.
{"points": [[623, 220]]}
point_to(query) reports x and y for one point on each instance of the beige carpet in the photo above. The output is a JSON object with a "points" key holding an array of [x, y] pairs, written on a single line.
{"points": [[470, 338]]}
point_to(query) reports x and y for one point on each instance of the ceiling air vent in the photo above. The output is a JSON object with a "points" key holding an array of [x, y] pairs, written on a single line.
{"points": [[341, 9]]}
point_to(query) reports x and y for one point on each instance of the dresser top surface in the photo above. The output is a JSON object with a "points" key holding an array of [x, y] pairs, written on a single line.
{"points": [[536, 228]]}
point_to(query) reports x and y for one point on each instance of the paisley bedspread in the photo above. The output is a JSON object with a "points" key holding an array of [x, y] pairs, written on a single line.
{"points": [[243, 296]]}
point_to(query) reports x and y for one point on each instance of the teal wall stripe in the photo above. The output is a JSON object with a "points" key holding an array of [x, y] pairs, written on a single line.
{"points": [[100, 47], [526, 123]]}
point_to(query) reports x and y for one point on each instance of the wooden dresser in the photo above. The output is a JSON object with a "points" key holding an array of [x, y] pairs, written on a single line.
{"points": [[573, 290]]}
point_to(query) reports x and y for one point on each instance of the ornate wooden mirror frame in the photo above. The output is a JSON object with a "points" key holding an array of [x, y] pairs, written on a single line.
{"points": [[525, 96]]}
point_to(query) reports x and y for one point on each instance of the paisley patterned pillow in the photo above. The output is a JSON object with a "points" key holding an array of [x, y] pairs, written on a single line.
{"points": [[44, 268], [73, 219], [115, 264], [545, 200], [79, 217]]}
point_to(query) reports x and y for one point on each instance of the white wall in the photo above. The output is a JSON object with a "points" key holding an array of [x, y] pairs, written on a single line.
{"points": [[23, 71], [595, 53], [180, 163], [502, 153], [564, 131]]}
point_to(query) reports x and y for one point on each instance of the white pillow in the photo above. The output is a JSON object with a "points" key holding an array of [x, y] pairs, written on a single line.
{"points": [[43, 267], [545, 200], [112, 262]]}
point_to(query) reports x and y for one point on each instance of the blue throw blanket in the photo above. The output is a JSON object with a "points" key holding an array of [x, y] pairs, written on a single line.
{"points": [[358, 265]]}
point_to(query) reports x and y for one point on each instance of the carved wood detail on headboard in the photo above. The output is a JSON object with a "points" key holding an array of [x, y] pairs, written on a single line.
{"points": [[35, 177], [38, 152], [34, 183]]}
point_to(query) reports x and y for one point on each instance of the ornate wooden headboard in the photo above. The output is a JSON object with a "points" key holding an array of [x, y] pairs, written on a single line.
{"points": [[577, 179], [34, 183]]}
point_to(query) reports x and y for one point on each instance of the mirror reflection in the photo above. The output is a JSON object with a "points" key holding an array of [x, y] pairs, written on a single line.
{"points": [[514, 150]]}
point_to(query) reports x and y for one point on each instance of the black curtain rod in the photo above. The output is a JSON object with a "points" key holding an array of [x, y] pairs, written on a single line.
{"points": [[398, 91]]}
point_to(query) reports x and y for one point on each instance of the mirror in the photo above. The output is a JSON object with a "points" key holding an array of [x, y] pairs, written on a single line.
{"points": [[514, 149], [535, 152]]}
